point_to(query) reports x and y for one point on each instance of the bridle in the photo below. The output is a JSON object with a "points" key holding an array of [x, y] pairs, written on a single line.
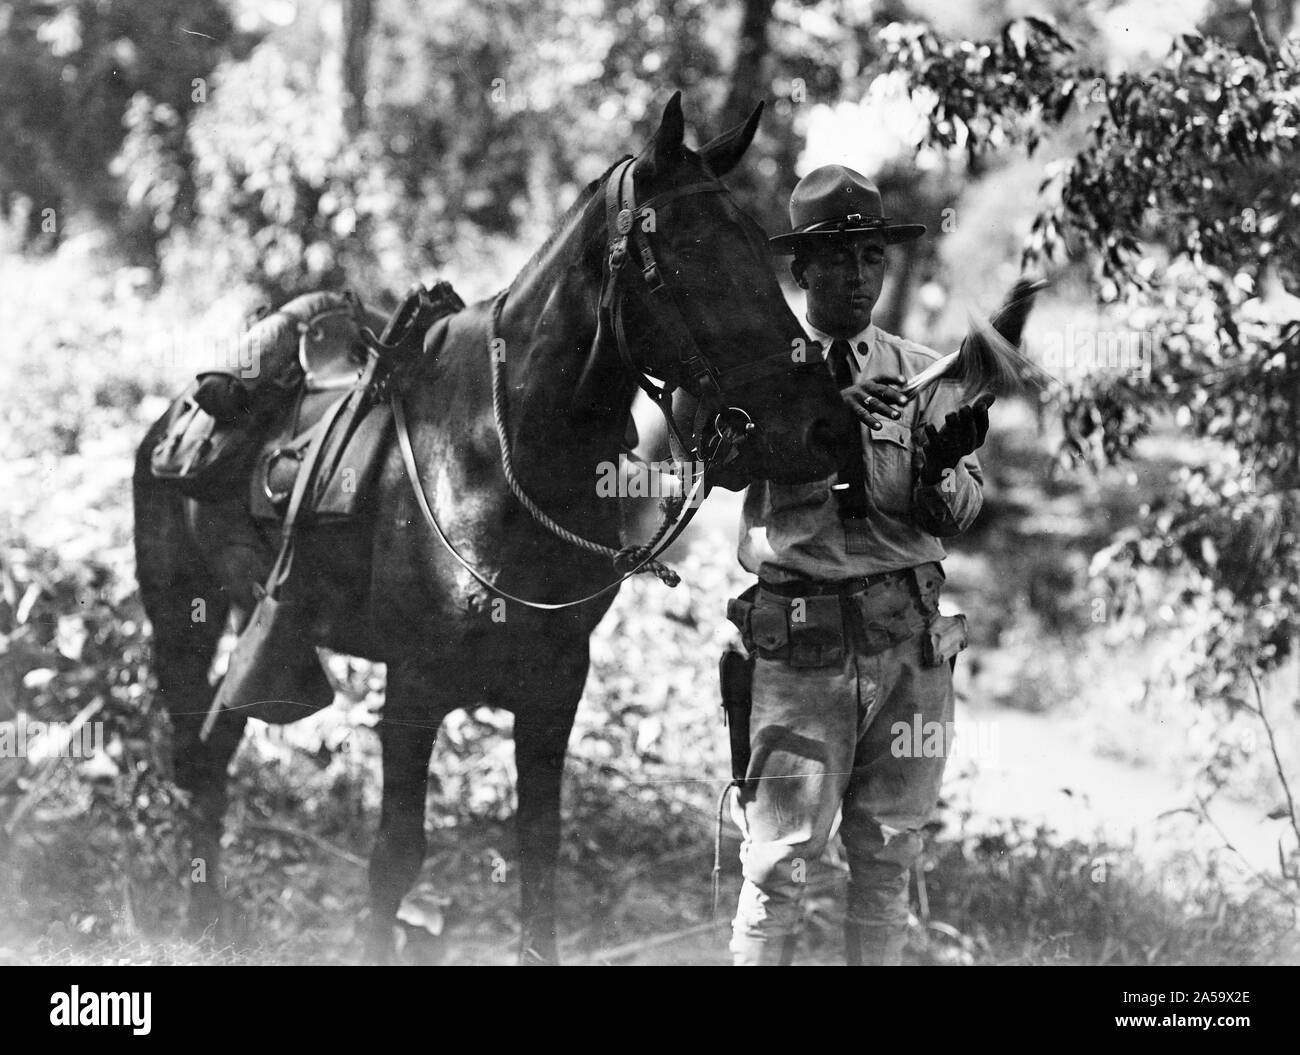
{"points": [[627, 253], [728, 430]]}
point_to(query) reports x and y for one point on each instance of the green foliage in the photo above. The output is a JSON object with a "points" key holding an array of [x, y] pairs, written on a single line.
{"points": [[1014, 894], [1184, 201], [470, 136], [992, 92], [68, 71], [284, 201]]}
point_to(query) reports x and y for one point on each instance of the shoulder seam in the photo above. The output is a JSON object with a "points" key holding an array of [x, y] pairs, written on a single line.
{"points": [[908, 346]]}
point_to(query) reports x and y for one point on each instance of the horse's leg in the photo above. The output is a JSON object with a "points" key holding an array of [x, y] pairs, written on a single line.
{"points": [[407, 732], [187, 608], [541, 734], [201, 771]]}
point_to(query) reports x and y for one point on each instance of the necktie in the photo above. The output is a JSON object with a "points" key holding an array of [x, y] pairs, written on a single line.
{"points": [[839, 355], [851, 491]]}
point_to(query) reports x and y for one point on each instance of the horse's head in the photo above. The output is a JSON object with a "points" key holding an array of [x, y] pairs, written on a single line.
{"points": [[690, 297]]}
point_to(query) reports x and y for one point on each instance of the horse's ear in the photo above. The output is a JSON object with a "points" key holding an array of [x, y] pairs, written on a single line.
{"points": [[723, 153], [670, 136]]}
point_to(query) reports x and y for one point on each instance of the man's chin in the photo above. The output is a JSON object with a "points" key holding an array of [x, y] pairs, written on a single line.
{"points": [[853, 323]]}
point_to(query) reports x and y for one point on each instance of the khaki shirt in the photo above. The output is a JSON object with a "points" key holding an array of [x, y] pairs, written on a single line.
{"points": [[791, 531]]}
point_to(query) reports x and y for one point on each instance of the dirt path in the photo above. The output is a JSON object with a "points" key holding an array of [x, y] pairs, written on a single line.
{"points": [[1045, 769]]}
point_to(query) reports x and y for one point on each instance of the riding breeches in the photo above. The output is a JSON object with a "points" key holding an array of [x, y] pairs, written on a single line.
{"points": [[825, 746]]}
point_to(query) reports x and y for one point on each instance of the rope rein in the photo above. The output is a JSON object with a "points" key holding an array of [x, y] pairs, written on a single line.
{"points": [[629, 558]]}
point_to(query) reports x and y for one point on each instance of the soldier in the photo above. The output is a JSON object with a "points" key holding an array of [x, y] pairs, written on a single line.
{"points": [[844, 618]]}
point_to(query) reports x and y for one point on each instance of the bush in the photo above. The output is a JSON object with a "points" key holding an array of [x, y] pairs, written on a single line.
{"points": [[1019, 894]]}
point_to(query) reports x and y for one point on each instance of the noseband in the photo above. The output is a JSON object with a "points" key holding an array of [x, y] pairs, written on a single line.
{"points": [[729, 427]]}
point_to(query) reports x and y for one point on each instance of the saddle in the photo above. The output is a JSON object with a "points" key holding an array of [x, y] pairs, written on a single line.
{"points": [[311, 374], [303, 429]]}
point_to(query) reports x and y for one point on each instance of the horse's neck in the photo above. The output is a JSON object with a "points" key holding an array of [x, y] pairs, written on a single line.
{"points": [[548, 325]]}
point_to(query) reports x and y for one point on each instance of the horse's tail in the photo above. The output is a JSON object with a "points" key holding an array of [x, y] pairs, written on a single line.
{"points": [[185, 604]]}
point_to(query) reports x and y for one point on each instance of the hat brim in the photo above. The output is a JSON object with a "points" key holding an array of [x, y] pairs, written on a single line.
{"points": [[786, 244]]}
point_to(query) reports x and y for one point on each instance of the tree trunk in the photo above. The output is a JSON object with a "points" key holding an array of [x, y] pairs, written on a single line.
{"points": [[747, 75], [358, 15], [1275, 18], [891, 312], [747, 88]]}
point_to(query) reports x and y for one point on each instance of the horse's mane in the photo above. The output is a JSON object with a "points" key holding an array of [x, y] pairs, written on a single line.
{"points": [[571, 213]]}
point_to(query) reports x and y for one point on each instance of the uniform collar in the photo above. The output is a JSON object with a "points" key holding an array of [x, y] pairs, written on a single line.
{"points": [[861, 342]]}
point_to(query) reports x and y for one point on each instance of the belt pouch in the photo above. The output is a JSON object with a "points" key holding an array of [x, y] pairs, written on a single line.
{"points": [[884, 611], [946, 635], [816, 631]]}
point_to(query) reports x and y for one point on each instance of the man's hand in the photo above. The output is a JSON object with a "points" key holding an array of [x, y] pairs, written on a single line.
{"points": [[963, 432], [874, 396]]}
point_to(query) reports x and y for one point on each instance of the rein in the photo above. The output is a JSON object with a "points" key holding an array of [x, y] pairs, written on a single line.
{"points": [[646, 557], [621, 211], [422, 500]]}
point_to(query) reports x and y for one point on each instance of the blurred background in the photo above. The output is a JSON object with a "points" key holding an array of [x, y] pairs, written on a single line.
{"points": [[168, 167]]}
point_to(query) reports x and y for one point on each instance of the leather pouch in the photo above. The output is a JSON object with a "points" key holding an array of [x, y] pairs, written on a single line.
{"points": [[816, 627], [738, 612], [806, 632], [770, 630], [274, 672], [929, 583], [200, 456], [885, 619], [946, 635]]}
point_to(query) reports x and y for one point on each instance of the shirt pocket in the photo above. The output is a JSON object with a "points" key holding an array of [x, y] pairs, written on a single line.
{"points": [[888, 451]]}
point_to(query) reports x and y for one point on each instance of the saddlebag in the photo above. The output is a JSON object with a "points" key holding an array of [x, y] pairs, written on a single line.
{"points": [[214, 428]]}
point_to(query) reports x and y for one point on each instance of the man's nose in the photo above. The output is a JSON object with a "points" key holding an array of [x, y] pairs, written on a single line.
{"points": [[860, 274]]}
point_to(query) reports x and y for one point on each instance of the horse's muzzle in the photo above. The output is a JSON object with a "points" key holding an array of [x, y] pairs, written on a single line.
{"points": [[795, 432]]}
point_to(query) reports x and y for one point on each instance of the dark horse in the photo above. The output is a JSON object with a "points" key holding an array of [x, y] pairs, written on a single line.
{"points": [[386, 588]]}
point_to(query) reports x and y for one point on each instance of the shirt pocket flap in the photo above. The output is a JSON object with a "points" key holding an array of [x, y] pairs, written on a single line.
{"points": [[894, 432]]}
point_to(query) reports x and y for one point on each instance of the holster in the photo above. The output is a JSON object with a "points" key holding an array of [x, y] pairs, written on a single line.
{"points": [[736, 675]]}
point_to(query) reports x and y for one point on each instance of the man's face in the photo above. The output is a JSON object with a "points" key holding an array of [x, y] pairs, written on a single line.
{"points": [[843, 280]]}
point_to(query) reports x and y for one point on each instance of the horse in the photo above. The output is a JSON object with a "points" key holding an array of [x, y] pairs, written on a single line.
{"points": [[468, 595]]}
